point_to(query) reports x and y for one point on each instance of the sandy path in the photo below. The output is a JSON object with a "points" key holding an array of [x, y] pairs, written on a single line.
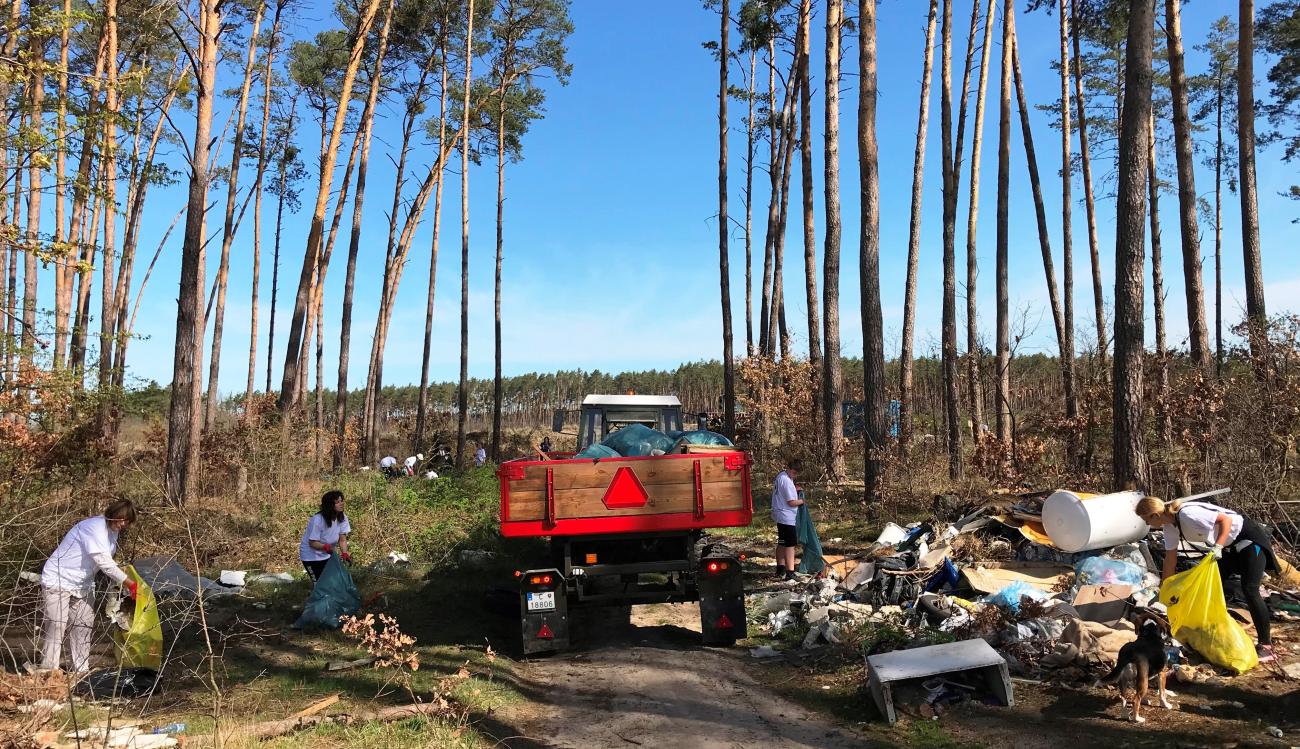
{"points": [[656, 686]]}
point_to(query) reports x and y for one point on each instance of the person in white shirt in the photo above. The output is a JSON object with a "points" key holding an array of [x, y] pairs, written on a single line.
{"points": [[68, 583], [1243, 547], [785, 509], [480, 456], [326, 530], [412, 464], [388, 465]]}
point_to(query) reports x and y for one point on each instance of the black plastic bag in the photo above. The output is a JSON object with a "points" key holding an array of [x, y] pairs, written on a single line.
{"points": [[107, 683]]}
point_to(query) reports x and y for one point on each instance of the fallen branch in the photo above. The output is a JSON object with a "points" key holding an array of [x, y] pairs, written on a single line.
{"points": [[273, 728], [316, 707], [345, 665]]}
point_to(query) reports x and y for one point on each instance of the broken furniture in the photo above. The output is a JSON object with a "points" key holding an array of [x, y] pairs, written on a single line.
{"points": [[887, 669]]}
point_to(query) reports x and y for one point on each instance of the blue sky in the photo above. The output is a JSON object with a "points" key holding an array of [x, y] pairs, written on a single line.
{"points": [[611, 255]]}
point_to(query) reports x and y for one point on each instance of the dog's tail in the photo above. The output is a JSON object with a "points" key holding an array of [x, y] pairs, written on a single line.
{"points": [[1120, 665]]}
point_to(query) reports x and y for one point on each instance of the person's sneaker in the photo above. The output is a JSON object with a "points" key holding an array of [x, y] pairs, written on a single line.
{"points": [[1266, 654], [790, 576]]}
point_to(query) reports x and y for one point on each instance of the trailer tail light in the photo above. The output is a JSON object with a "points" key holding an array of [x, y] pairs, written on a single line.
{"points": [[735, 461], [518, 573], [717, 566], [724, 622], [591, 559], [540, 580], [544, 632]]}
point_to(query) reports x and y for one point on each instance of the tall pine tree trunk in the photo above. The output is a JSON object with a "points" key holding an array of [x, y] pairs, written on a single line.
{"points": [[64, 268], [184, 418], [1218, 231], [229, 228], [873, 334], [1067, 218], [833, 375], [497, 389], [952, 416], [975, 383], [293, 361], [36, 120], [1003, 344], [1063, 339], [1090, 204], [1129, 452], [262, 161], [422, 409], [354, 248], [1163, 420], [275, 252], [1256, 314], [906, 366], [809, 223], [108, 300], [724, 263], [776, 151], [462, 388], [749, 206], [1184, 152]]}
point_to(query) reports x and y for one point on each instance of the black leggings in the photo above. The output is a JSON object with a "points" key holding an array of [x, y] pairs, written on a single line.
{"points": [[314, 569], [1250, 563]]}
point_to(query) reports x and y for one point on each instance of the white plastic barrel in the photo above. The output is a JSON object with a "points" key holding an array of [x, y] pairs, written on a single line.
{"points": [[1082, 522]]}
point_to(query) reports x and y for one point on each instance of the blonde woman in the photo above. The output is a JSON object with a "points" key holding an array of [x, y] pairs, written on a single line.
{"points": [[68, 582], [1243, 547]]}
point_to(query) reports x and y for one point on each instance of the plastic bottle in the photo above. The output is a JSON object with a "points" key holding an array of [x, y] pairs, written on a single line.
{"points": [[171, 728]]}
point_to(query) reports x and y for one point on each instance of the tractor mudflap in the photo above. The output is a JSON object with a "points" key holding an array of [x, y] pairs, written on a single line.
{"points": [[722, 600], [544, 611]]}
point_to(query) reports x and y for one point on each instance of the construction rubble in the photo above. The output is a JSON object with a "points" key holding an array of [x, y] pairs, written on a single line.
{"points": [[992, 572]]}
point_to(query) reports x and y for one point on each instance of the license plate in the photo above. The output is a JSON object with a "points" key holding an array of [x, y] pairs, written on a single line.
{"points": [[541, 601]]}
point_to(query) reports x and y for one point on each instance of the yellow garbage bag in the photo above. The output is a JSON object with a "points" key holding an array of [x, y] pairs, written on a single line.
{"points": [[140, 646], [1198, 616]]}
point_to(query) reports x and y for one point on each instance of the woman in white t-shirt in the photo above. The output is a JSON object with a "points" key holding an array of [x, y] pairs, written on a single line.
{"points": [[326, 530], [1243, 547], [68, 584]]}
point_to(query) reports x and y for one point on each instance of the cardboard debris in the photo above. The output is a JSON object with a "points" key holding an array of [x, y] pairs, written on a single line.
{"points": [[1103, 603], [994, 576]]}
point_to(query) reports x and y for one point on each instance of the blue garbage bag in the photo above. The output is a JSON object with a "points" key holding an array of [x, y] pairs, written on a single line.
{"points": [[703, 437], [597, 451], [636, 440], [334, 596], [1010, 596], [1103, 571], [811, 563], [947, 576]]}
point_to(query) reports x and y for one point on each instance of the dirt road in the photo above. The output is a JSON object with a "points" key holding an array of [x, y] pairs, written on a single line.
{"points": [[655, 686]]}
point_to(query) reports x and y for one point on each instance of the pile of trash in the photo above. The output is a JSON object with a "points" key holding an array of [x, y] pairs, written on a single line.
{"points": [[1052, 581], [638, 440]]}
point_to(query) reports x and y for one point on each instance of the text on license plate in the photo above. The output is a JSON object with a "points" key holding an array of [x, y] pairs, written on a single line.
{"points": [[541, 601]]}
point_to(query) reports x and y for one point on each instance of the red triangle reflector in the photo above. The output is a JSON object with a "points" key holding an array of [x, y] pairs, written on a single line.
{"points": [[545, 632], [723, 622], [625, 490]]}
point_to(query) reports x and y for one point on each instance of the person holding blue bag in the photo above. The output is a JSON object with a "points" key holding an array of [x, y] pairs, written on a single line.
{"points": [[327, 530], [1242, 546]]}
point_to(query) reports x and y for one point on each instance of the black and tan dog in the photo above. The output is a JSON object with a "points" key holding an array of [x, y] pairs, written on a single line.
{"points": [[1138, 661]]}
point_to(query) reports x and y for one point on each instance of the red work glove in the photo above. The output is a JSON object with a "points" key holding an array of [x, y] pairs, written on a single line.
{"points": [[327, 548], [345, 557], [132, 588]]}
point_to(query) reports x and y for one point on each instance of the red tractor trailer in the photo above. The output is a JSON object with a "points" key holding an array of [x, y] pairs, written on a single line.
{"points": [[628, 530]]}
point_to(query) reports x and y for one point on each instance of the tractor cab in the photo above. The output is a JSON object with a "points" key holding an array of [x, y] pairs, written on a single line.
{"points": [[602, 415]]}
